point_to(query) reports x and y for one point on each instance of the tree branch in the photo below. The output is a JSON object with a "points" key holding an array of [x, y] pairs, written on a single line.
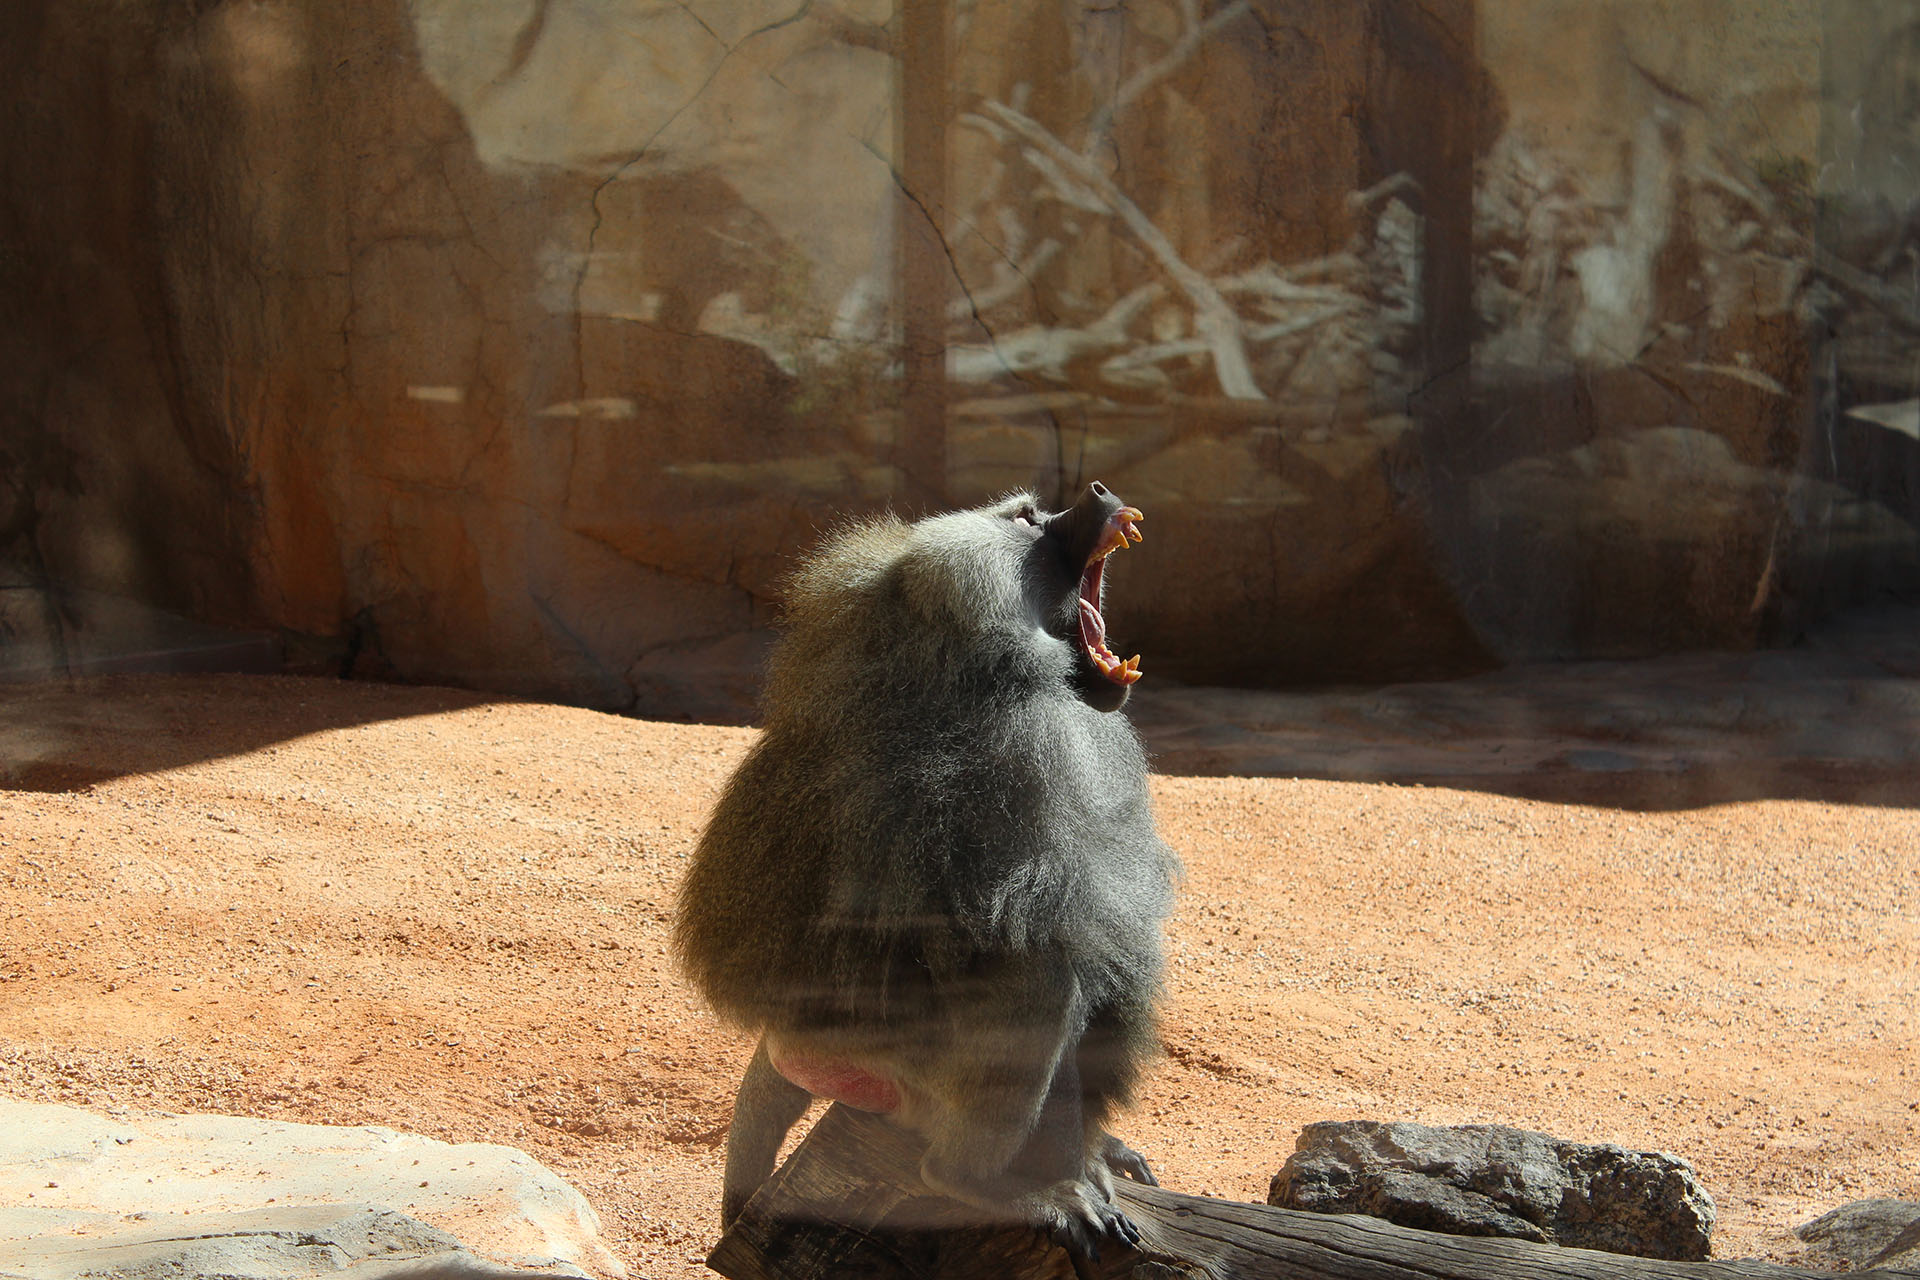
{"points": [[1214, 320], [849, 1202]]}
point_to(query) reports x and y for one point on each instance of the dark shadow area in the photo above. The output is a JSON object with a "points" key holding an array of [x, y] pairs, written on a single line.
{"points": [[52, 632], [1836, 718], [62, 736]]}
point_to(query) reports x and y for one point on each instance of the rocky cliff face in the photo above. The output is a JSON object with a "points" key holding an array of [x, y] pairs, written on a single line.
{"points": [[521, 343]]}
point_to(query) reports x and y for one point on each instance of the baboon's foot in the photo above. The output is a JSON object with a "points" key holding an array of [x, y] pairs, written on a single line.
{"points": [[1078, 1218], [1073, 1212], [1122, 1159]]}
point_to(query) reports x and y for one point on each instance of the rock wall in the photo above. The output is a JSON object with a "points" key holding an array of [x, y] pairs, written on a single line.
{"points": [[521, 343]]}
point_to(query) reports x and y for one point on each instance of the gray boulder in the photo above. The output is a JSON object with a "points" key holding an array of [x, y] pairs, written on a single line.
{"points": [[347, 1242], [1869, 1233], [1491, 1180], [143, 1195]]}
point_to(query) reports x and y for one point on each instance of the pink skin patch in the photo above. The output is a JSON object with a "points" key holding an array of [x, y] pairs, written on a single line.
{"points": [[841, 1081]]}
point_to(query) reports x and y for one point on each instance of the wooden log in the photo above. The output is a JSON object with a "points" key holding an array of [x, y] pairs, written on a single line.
{"points": [[849, 1203]]}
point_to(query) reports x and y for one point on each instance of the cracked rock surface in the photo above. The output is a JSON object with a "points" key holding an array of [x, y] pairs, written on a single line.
{"points": [[1494, 1180], [1866, 1234]]}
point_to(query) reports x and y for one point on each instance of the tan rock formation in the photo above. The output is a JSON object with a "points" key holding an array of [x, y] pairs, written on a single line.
{"points": [[520, 343]]}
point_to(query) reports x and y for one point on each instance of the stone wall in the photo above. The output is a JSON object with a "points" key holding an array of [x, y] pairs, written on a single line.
{"points": [[522, 343]]}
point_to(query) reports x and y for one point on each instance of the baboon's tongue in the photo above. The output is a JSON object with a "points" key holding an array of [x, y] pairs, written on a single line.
{"points": [[1093, 627]]}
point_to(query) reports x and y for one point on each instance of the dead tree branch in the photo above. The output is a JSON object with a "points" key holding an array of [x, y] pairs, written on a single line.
{"points": [[850, 1203], [1196, 34], [1214, 320]]}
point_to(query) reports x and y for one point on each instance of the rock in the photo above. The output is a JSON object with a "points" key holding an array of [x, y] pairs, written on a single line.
{"points": [[528, 355], [165, 1195], [1682, 540], [1902, 1252], [1273, 557], [1491, 1180], [360, 1242], [521, 346], [1868, 1233], [713, 683]]}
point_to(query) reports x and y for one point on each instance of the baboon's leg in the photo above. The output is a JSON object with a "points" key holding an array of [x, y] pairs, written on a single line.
{"points": [[992, 1077], [1057, 1147], [765, 1108], [1068, 1140], [1108, 1062], [993, 1088], [1115, 1156]]}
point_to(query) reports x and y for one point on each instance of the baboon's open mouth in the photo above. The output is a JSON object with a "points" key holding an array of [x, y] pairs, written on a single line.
{"points": [[1117, 533]]}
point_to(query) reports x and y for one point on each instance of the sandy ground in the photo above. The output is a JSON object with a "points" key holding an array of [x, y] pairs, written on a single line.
{"points": [[350, 903]]}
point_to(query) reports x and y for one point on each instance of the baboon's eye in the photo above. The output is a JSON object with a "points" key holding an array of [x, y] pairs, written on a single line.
{"points": [[1027, 517]]}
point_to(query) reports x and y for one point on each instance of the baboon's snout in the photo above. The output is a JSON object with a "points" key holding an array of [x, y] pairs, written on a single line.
{"points": [[1097, 524]]}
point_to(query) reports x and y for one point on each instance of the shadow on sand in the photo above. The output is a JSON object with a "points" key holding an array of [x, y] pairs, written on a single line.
{"points": [[1836, 719], [61, 735]]}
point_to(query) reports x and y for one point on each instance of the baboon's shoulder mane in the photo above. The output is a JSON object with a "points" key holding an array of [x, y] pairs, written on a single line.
{"points": [[959, 573], [852, 557]]}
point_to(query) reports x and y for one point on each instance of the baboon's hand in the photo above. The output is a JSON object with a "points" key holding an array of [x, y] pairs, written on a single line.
{"points": [[1127, 1162]]}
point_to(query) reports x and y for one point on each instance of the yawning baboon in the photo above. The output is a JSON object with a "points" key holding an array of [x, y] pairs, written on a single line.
{"points": [[934, 886]]}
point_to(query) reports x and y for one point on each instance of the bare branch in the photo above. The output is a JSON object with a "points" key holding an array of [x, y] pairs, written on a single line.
{"points": [[1049, 350], [1009, 279], [1146, 77], [1214, 320]]}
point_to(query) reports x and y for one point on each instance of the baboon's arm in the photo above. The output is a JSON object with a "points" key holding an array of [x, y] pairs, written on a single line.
{"points": [[766, 1107]]}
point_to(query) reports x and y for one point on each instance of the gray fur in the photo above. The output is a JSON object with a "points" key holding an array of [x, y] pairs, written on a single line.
{"points": [[939, 860]]}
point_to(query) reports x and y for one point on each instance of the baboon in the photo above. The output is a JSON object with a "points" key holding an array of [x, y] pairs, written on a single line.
{"points": [[934, 886]]}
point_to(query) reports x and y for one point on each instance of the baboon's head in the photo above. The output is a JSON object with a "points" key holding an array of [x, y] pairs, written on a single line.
{"points": [[1012, 571]]}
